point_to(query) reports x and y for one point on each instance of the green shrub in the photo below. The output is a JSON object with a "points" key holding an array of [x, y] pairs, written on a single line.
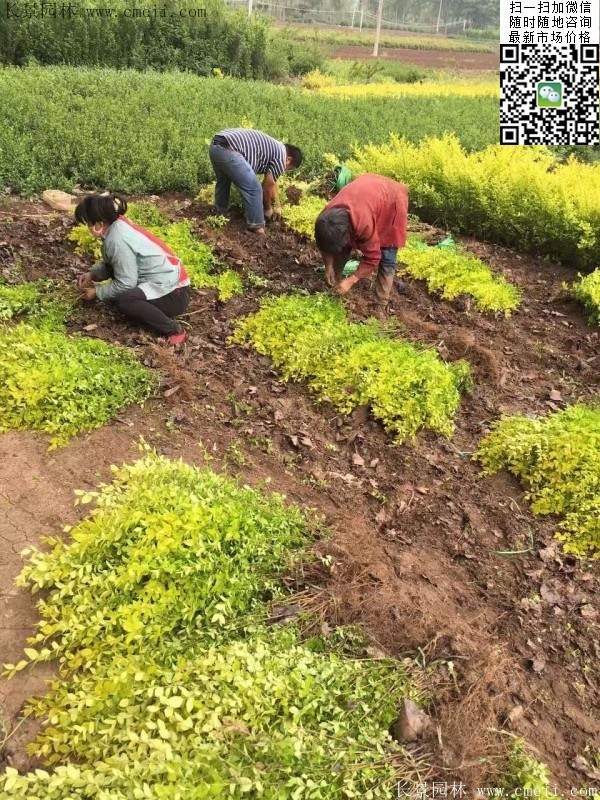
{"points": [[177, 553], [262, 717], [452, 272], [199, 260], [518, 196], [526, 776], [216, 221], [286, 57], [147, 215], [302, 217], [86, 244], [558, 459], [63, 385], [20, 299], [60, 126], [349, 364], [44, 303], [373, 70], [222, 39], [170, 686], [196, 256], [587, 290]]}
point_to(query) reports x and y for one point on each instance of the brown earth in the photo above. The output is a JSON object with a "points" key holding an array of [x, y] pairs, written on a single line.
{"points": [[437, 563], [438, 59]]}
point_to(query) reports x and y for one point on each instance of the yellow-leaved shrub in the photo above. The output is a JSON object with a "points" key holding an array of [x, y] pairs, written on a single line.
{"points": [[518, 196]]}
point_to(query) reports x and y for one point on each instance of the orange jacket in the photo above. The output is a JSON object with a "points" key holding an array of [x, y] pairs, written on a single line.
{"points": [[378, 209]]}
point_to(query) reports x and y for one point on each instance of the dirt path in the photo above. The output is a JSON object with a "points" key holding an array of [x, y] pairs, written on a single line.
{"points": [[438, 59], [422, 544]]}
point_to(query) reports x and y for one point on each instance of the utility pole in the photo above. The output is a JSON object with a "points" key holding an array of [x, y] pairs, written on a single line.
{"points": [[362, 13], [439, 19], [378, 30], [249, 8]]}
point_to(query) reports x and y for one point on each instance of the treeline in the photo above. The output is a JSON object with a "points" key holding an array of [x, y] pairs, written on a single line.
{"points": [[198, 36]]}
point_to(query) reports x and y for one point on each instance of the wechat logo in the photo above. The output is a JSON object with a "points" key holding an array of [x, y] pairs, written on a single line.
{"points": [[549, 94]]}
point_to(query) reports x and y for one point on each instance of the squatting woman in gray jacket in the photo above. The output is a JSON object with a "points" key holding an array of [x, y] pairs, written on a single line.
{"points": [[148, 283]]}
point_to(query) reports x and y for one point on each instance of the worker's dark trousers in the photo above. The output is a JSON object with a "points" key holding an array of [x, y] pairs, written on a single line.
{"points": [[384, 281], [231, 167], [155, 314]]}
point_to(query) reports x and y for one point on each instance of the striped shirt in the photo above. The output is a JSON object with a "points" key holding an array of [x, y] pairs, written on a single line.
{"points": [[262, 152]]}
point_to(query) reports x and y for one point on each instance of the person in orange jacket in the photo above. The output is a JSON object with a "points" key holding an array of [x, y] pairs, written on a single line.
{"points": [[369, 214]]}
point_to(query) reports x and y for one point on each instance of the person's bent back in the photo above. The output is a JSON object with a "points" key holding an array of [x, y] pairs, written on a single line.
{"points": [[370, 214], [146, 280], [238, 155]]}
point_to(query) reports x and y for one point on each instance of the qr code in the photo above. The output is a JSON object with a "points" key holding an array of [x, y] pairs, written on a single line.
{"points": [[549, 94]]}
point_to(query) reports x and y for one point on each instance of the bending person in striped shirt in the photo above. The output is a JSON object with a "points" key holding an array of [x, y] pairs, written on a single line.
{"points": [[238, 155], [148, 283]]}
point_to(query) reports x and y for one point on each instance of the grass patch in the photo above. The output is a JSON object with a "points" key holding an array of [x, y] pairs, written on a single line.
{"points": [[350, 364], [416, 42], [170, 681], [197, 257], [43, 302], [63, 385], [453, 272], [558, 458], [49, 132]]}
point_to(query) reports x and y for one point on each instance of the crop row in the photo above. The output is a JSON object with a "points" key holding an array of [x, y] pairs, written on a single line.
{"points": [[351, 364], [558, 458], [453, 273], [216, 40], [518, 196], [392, 89], [414, 42], [53, 382], [60, 126], [170, 683]]}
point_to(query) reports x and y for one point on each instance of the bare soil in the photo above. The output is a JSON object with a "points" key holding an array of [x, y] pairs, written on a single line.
{"points": [[437, 59], [436, 562]]}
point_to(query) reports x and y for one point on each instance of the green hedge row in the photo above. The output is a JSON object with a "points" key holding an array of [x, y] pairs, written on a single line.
{"points": [[194, 35], [148, 132]]}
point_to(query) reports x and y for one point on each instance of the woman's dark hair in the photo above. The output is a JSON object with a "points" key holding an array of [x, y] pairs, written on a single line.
{"points": [[332, 230], [96, 208], [295, 154]]}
